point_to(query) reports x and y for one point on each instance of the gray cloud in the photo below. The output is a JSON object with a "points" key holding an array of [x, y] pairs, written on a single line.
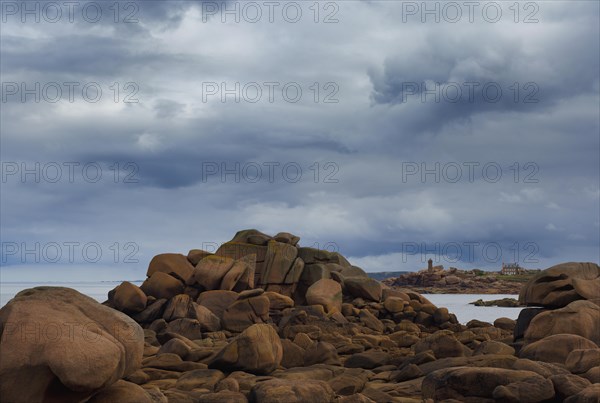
{"points": [[354, 193]]}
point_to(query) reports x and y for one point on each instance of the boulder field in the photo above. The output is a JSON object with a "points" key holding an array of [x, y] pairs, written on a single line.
{"points": [[265, 320]]}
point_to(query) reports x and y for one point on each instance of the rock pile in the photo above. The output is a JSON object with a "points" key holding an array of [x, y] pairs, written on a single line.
{"points": [[266, 320]]}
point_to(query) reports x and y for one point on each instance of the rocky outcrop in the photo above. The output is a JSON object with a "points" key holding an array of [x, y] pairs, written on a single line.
{"points": [[456, 281], [570, 311], [264, 319]]}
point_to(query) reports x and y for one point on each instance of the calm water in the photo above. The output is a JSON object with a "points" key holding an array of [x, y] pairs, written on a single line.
{"points": [[456, 303], [459, 305]]}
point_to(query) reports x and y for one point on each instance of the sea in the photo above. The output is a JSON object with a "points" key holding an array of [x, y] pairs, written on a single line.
{"points": [[459, 304], [456, 303]]}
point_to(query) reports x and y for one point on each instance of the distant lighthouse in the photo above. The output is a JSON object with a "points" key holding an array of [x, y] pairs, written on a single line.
{"points": [[430, 265]]}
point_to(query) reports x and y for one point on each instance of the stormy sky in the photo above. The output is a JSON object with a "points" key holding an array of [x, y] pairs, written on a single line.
{"points": [[389, 131]]}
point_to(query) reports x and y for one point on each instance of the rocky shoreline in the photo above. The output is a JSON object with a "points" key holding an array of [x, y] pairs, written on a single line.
{"points": [[265, 320], [456, 281]]}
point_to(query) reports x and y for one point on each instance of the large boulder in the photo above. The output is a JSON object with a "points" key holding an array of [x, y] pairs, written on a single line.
{"points": [[60, 345], [524, 319], [286, 237], [555, 348], [210, 271], [251, 236], [237, 251], [562, 284], [485, 384], [581, 361], [327, 293], [180, 306], [292, 391], [311, 273], [186, 327], [196, 255], [278, 263], [175, 264], [579, 317], [217, 301], [208, 321], [199, 378], [278, 301], [256, 350], [314, 255], [129, 298], [122, 391], [162, 285], [591, 394], [153, 311], [241, 271], [368, 360], [363, 287], [443, 344], [246, 312], [567, 385]]}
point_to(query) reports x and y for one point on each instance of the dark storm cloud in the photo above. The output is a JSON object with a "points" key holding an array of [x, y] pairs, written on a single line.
{"points": [[464, 68]]}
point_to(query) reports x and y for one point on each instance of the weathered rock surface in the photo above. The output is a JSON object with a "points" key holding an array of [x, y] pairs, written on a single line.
{"points": [[478, 384], [292, 391], [58, 344], [579, 317], [327, 293], [162, 285], [364, 287], [122, 391], [562, 284], [556, 348], [246, 312], [580, 361], [174, 264], [591, 394], [129, 298], [256, 350]]}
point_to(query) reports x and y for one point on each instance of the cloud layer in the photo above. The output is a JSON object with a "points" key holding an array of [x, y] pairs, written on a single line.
{"points": [[382, 136]]}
